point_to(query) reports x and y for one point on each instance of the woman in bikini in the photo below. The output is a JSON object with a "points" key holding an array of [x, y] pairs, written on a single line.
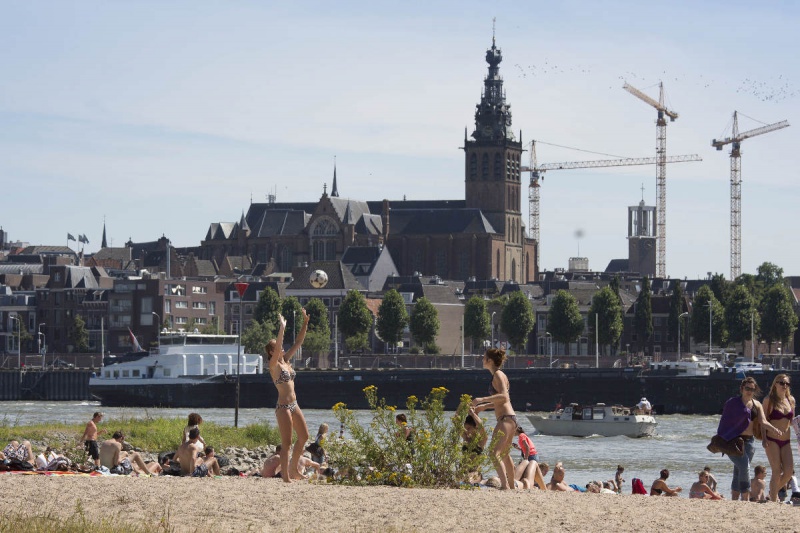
{"points": [[779, 408], [737, 420], [499, 400], [701, 490], [289, 415]]}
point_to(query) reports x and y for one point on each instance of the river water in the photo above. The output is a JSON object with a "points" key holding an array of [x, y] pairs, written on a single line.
{"points": [[679, 444]]}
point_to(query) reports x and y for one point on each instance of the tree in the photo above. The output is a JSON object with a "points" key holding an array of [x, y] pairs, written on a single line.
{"points": [[676, 306], [643, 318], [516, 320], [291, 310], [20, 331], [317, 342], [739, 312], [779, 320], [355, 321], [212, 328], [392, 317], [769, 275], [476, 321], [721, 288], [78, 335], [564, 320], [753, 285], [318, 316], [606, 306], [424, 322], [614, 284], [256, 337], [267, 308], [699, 324]]}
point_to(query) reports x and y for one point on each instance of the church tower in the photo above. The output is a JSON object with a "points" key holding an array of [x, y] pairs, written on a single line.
{"points": [[492, 172]]}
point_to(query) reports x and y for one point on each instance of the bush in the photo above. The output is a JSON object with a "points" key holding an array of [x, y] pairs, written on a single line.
{"points": [[381, 455], [432, 349], [414, 350]]}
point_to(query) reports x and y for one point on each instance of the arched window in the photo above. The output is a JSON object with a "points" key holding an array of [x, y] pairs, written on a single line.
{"points": [[485, 166], [514, 270], [497, 265], [473, 166], [285, 259], [527, 267], [498, 167], [324, 235]]}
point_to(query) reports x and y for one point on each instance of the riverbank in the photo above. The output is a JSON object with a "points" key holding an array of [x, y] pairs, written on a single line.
{"points": [[239, 504]]}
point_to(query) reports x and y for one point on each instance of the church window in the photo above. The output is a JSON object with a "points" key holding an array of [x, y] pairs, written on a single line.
{"points": [[441, 263], [285, 259], [473, 166], [498, 167], [463, 265], [527, 267], [418, 260], [323, 240], [514, 270], [485, 166], [497, 265]]}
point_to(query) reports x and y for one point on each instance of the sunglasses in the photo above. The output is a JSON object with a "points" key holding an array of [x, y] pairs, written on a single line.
{"points": [[749, 389], [784, 383]]}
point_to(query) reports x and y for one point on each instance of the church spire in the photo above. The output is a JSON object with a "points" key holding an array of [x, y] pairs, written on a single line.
{"points": [[334, 189], [104, 244], [492, 114]]}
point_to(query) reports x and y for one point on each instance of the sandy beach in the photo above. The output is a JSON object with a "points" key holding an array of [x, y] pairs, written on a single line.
{"points": [[252, 504]]}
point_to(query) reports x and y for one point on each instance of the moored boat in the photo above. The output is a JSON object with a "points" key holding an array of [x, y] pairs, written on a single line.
{"points": [[598, 419]]}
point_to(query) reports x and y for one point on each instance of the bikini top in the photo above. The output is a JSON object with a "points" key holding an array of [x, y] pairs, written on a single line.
{"points": [[777, 415], [285, 376], [492, 390]]}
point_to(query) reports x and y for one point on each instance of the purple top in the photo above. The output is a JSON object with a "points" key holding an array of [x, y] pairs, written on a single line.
{"points": [[735, 418]]}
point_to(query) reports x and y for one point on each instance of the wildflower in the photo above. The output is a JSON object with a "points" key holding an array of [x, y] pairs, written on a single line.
{"points": [[391, 408], [370, 388], [339, 406]]}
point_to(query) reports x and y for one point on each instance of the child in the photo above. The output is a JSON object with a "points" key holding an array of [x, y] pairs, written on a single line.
{"points": [[618, 479], [194, 422], [525, 445], [757, 485]]}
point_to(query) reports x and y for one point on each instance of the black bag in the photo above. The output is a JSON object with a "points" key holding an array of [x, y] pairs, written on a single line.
{"points": [[733, 447], [15, 465]]}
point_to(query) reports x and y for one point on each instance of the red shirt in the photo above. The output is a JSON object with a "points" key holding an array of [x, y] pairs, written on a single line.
{"points": [[526, 445]]}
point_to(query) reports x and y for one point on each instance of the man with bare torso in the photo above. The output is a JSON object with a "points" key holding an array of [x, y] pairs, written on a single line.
{"points": [[189, 455], [112, 455], [89, 438]]}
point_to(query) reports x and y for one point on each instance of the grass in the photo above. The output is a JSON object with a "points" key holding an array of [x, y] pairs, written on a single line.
{"points": [[78, 523], [150, 434]]}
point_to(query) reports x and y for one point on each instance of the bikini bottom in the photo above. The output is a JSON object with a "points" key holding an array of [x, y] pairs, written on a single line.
{"points": [[780, 443], [289, 406]]}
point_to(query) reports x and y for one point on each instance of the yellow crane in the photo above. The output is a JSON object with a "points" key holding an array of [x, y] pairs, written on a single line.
{"points": [[537, 172], [735, 141], [661, 171]]}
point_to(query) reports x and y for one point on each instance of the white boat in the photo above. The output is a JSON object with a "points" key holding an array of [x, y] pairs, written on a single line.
{"points": [[689, 367], [598, 419]]}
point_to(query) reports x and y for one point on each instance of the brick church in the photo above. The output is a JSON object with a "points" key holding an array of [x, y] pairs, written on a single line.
{"points": [[482, 236]]}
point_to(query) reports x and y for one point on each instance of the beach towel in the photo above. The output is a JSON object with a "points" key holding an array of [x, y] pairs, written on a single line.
{"points": [[637, 487]]}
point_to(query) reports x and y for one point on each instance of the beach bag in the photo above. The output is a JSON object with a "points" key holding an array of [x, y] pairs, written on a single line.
{"points": [[637, 487], [124, 468], [15, 465], [733, 447]]}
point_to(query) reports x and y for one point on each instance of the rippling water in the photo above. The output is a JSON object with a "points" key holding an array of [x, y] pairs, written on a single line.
{"points": [[679, 444]]}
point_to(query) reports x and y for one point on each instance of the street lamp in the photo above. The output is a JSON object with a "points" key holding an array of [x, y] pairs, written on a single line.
{"points": [[42, 343], [550, 342], [158, 328], [19, 344], [679, 333], [752, 339], [493, 313], [710, 314]]}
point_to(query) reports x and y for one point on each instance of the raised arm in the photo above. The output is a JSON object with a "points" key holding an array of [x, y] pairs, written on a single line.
{"points": [[300, 337]]}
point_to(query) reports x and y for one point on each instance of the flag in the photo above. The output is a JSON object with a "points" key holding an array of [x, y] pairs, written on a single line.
{"points": [[136, 345], [83, 239], [70, 237]]}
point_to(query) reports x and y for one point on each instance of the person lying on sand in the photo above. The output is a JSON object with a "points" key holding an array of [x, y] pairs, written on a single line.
{"points": [[557, 480]]}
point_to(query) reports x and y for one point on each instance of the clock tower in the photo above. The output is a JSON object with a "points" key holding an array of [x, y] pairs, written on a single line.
{"points": [[492, 173], [642, 239]]}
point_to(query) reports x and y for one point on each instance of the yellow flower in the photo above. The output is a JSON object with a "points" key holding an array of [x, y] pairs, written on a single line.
{"points": [[413, 399], [391, 408], [370, 388], [339, 406]]}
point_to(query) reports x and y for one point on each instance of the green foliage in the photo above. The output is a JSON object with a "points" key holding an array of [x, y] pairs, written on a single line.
{"points": [[676, 309], [151, 434], [516, 320], [317, 342], [357, 342], [355, 318], [292, 311], [564, 320], [432, 348], [740, 310], [700, 317], [256, 337], [476, 321], [212, 328], [50, 522], [769, 275], [779, 321], [614, 285], [392, 317], [605, 304], [377, 455], [268, 308], [78, 335], [721, 288], [424, 323], [643, 318], [190, 324], [318, 317]]}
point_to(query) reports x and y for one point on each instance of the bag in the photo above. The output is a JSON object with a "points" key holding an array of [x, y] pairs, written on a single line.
{"points": [[124, 468], [15, 465], [637, 487], [733, 447]]}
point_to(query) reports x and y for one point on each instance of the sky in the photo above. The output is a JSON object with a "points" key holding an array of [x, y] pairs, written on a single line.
{"points": [[160, 118]]}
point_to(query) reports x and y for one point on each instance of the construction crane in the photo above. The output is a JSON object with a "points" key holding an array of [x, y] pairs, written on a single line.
{"points": [[735, 141], [537, 172], [661, 171]]}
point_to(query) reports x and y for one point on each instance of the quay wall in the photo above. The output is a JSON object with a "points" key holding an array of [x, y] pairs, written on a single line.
{"points": [[44, 385]]}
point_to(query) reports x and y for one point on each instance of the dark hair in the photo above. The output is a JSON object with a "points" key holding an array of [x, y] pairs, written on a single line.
{"points": [[98, 413], [759, 469], [520, 431], [496, 356], [194, 433], [664, 474], [208, 450], [401, 418], [278, 448], [470, 421], [707, 468], [751, 381], [118, 435], [620, 467], [195, 419]]}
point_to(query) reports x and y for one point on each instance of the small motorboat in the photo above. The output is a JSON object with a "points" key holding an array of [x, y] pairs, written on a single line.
{"points": [[598, 419]]}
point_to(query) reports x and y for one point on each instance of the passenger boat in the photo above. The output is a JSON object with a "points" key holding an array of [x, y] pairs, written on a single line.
{"points": [[691, 366], [186, 370], [598, 419]]}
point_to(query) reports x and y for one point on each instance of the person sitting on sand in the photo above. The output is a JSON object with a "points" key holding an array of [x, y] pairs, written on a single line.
{"points": [[701, 490], [21, 451], [557, 480], [758, 485], [272, 466], [660, 487], [89, 438], [475, 437], [189, 455], [529, 475], [112, 456], [712, 481]]}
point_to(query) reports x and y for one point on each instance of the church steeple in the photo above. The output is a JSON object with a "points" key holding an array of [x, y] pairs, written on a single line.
{"points": [[334, 189], [493, 114], [104, 244]]}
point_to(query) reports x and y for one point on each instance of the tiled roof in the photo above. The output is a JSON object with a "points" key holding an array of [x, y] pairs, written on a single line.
{"points": [[338, 277], [438, 221], [48, 250], [121, 255], [617, 265]]}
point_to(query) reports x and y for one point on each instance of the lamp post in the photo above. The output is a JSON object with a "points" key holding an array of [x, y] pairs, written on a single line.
{"points": [[550, 342], [752, 339], [19, 344], [679, 333], [158, 328], [628, 352], [710, 315], [40, 337], [596, 341], [493, 313]]}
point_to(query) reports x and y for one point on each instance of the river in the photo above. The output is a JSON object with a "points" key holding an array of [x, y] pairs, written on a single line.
{"points": [[679, 444]]}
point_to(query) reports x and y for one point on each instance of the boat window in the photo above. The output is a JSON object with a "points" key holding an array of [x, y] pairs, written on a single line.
{"points": [[167, 372], [125, 374], [587, 413], [108, 373], [116, 373], [135, 372], [599, 413]]}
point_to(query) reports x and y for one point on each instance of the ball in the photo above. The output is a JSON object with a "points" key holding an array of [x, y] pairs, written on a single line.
{"points": [[318, 279]]}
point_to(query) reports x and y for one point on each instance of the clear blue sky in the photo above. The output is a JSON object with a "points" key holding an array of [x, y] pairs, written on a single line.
{"points": [[167, 116]]}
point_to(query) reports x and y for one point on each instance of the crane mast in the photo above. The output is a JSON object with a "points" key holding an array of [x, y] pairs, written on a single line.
{"points": [[537, 172], [661, 171], [735, 140]]}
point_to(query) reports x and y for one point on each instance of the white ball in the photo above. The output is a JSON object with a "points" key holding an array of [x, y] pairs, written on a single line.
{"points": [[318, 279]]}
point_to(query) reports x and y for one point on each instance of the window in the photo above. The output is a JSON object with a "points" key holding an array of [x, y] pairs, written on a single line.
{"points": [[198, 305], [656, 321], [248, 309], [180, 320], [212, 308], [167, 372], [135, 372], [167, 306], [125, 374], [201, 321], [199, 290], [181, 305]]}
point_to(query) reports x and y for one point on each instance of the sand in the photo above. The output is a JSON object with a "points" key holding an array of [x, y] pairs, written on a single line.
{"points": [[253, 504]]}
